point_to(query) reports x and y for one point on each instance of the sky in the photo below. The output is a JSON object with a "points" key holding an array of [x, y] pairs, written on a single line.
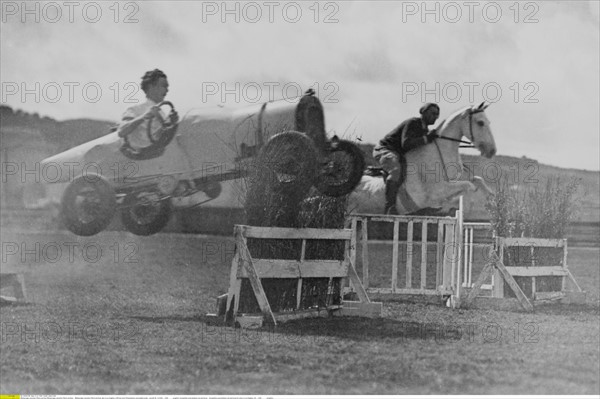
{"points": [[372, 64]]}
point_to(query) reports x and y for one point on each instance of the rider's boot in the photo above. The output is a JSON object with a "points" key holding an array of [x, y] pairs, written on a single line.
{"points": [[391, 191]]}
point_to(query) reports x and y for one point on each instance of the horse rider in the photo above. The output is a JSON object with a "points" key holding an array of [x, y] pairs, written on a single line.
{"points": [[410, 134], [134, 120]]}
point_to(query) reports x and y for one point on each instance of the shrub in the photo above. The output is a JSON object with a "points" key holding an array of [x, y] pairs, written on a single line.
{"points": [[543, 210]]}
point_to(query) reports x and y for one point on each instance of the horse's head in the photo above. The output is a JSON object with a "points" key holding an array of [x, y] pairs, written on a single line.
{"points": [[476, 127]]}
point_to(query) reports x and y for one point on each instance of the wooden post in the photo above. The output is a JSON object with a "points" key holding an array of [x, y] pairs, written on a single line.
{"points": [[512, 284], [360, 289], [565, 266], [485, 273], [257, 287], [395, 245], [459, 249], [465, 266], [299, 287], [424, 255], [409, 254], [445, 268], [439, 255], [498, 288], [353, 245], [365, 252], [233, 294], [471, 247]]}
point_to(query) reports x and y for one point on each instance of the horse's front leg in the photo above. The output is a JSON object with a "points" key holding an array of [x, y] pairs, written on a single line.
{"points": [[480, 185], [476, 184], [450, 191]]}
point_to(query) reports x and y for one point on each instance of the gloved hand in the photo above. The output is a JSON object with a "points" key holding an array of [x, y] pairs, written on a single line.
{"points": [[173, 117], [432, 135]]}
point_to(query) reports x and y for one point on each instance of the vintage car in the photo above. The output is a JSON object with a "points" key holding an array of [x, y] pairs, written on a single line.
{"points": [[196, 154]]}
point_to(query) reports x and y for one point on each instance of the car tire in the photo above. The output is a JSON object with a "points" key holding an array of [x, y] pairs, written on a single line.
{"points": [[342, 169], [88, 205], [282, 174], [145, 218]]}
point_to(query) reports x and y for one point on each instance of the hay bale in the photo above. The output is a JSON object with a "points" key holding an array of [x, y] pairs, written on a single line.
{"points": [[321, 211], [280, 194], [316, 211], [281, 177]]}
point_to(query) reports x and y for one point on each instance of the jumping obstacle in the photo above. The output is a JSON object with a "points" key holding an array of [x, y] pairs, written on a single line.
{"points": [[258, 272], [441, 278], [501, 284], [532, 270], [446, 260]]}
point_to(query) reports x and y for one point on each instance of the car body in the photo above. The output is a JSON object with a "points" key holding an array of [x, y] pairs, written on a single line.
{"points": [[206, 147]]}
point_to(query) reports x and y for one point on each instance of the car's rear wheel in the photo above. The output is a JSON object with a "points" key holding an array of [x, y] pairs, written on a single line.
{"points": [[145, 213]]}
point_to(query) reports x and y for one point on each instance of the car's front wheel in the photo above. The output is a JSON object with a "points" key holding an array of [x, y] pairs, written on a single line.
{"points": [[341, 169], [283, 173], [88, 205]]}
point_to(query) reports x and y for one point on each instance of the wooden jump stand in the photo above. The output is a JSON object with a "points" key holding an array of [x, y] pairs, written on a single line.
{"points": [[16, 281], [448, 237], [447, 263], [256, 271], [496, 268]]}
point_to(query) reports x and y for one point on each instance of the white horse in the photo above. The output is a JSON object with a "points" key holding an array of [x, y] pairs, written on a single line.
{"points": [[433, 171]]}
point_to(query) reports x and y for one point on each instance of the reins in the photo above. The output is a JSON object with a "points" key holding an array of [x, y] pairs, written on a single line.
{"points": [[470, 144]]}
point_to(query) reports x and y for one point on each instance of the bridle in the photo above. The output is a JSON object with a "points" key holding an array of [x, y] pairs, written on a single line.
{"points": [[469, 144], [472, 138]]}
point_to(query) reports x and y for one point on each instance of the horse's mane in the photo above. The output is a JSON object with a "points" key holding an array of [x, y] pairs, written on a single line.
{"points": [[452, 118]]}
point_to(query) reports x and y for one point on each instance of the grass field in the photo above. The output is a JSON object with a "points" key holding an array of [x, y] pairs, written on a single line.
{"points": [[122, 314]]}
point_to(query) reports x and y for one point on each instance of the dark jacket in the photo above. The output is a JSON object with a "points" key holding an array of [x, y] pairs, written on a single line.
{"points": [[406, 136]]}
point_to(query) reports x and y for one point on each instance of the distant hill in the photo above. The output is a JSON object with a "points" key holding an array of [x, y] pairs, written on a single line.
{"points": [[62, 135], [58, 136]]}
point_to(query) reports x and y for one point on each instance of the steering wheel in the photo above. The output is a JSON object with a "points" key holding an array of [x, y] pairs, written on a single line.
{"points": [[159, 138]]}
